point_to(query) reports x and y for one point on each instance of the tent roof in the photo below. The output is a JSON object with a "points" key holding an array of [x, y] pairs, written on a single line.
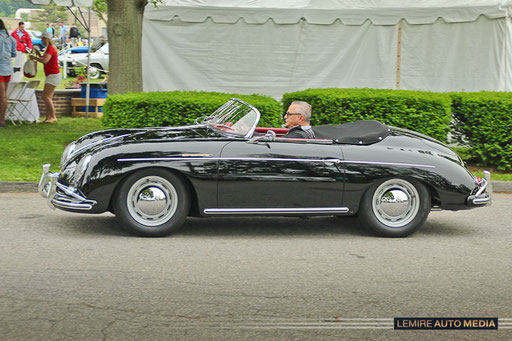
{"points": [[78, 3], [349, 12]]}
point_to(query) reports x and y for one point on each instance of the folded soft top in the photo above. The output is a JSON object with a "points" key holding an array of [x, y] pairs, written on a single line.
{"points": [[358, 132]]}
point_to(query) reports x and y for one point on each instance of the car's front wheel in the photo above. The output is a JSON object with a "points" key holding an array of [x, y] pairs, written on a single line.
{"points": [[395, 207], [95, 71], [152, 202]]}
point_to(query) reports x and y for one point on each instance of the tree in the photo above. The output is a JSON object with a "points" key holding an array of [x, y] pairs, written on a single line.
{"points": [[124, 27], [100, 7], [52, 14]]}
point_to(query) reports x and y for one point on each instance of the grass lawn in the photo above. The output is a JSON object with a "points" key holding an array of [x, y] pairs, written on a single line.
{"points": [[479, 171], [25, 148]]}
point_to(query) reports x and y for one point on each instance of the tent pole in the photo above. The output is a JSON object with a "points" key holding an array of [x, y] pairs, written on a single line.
{"points": [[506, 47], [88, 65], [398, 53]]}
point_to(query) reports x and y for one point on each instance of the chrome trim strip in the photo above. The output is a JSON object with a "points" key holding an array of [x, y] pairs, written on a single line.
{"points": [[224, 159], [270, 211], [388, 163], [271, 159]]}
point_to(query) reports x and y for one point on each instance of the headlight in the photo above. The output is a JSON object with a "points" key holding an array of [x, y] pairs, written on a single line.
{"points": [[67, 152], [81, 168]]}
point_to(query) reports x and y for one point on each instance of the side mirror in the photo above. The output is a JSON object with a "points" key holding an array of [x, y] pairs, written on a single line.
{"points": [[269, 136]]}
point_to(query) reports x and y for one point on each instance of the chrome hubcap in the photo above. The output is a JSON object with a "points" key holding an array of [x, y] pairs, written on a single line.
{"points": [[152, 201], [395, 203]]}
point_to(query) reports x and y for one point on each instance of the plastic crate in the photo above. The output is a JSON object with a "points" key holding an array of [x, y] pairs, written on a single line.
{"points": [[96, 90]]}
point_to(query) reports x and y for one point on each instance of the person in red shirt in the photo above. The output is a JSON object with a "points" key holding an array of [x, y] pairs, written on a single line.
{"points": [[52, 71], [23, 46], [23, 41]]}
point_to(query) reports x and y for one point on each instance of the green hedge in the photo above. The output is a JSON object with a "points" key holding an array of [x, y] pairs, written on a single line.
{"points": [[483, 120], [425, 112], [178, 108]]}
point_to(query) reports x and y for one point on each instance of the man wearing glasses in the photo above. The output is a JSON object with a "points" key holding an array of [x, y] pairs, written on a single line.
{"points": [[297, 119]]}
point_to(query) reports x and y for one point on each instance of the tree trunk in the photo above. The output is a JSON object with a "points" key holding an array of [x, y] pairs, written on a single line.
{"points": [[124, 29]]}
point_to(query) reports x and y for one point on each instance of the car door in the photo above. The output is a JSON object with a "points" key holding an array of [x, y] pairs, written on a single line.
{"points": [[280, 175]]}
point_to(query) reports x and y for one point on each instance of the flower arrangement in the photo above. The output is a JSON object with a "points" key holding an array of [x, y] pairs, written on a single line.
{"points": [[75, 83]]}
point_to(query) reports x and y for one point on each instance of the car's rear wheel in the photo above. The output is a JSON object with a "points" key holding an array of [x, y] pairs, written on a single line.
{"points": [[152, 202], [395, 207]]}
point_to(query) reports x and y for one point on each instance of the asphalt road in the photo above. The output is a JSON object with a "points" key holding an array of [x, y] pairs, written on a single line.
{"points": [[68, 276]]}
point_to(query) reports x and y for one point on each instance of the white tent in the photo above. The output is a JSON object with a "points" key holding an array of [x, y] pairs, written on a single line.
{"points": [[276, 46]]}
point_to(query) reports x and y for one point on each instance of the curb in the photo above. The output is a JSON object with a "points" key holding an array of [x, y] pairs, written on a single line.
{"points": [[26, 186], [499, 186], [17, 186]]}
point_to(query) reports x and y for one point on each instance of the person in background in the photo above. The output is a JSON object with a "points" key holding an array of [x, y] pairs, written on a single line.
{"points": [[24, 43], [7, 52], [63, 30], [53, 30], [49, 29], [52, 71], [23, 46], [297, 119], [74, 33]]}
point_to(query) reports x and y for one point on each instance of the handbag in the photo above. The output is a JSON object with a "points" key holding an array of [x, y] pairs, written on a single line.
{"points": [[30, 68]]}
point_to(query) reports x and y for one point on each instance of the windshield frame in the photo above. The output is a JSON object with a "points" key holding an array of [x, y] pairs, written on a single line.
{"points": [[221, 116]]}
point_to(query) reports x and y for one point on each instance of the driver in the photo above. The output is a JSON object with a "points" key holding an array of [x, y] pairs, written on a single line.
{"points": [[297, 119]]}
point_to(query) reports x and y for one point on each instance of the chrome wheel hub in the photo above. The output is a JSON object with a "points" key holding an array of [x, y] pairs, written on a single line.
{"points": [[395, 203], [152, 201]]}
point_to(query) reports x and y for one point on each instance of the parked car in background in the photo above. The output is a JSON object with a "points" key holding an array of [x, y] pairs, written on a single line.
{"points": [[75, 58], [35, 36], [67, 55], [74, 50]]}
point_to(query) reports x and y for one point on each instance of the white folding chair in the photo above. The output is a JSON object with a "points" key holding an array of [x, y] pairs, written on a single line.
{"points": [[23, 99], [13, 99]]}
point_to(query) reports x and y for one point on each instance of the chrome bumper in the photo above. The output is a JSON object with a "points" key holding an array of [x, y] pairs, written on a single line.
{"points": [[60, 196], [484, 194]]}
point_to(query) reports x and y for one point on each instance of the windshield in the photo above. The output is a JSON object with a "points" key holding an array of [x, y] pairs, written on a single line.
{"points": [[236, 117]]}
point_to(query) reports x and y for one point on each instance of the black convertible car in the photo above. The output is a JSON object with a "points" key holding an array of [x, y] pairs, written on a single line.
{"points": [[153, 178]]}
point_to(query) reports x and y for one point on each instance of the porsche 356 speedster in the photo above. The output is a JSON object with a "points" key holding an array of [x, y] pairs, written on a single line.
{"points": [[152, 179]]}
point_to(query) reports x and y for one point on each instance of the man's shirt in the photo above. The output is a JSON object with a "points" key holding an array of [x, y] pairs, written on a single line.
{"points": [[63, 31]]}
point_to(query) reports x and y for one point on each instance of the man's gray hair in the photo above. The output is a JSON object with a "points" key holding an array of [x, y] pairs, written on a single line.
{"points": [[305, 109]]}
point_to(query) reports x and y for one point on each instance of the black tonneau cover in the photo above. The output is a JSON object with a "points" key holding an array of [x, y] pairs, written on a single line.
{"points": [[358, 132]]}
